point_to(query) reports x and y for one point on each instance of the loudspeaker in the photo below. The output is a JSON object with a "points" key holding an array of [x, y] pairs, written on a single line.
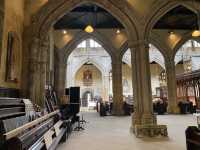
{"points": [[74, 93], [67, 91]]}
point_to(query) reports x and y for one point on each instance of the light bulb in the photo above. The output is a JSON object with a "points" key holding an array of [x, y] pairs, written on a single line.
{"points": [[89, 29], [64, 32], [118, 31], [196, 33]]}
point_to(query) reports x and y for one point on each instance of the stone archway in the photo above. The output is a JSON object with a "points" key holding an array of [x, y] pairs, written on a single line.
{"points": [[93, 84], [106, 46], [86, 97], [43, 21], [102, 40], [52, 11], [159, 12], [79, 65]]}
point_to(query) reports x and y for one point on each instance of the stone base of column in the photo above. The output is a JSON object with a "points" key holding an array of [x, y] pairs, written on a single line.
{"points": [[146, 126], [117, 109], [136, 119], [118, 112], [142, 131], [173, 110], [149, 119]]}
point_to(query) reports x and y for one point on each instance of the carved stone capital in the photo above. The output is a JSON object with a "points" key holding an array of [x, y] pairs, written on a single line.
{"points": [[139, 44], [170, 65]]}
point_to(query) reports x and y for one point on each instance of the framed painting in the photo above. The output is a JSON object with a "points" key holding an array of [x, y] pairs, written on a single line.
{"points": [[12, 55]]}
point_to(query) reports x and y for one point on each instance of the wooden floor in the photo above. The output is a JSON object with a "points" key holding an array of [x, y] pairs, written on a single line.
{"points": [[112, 133]]}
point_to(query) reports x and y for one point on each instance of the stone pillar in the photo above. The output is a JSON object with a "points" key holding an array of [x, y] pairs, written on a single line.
{"points": [[144, 121], [138, 105], [38, 64], [43, 68], [60, 77], [171, 85], [34, 72], [117, 87]]}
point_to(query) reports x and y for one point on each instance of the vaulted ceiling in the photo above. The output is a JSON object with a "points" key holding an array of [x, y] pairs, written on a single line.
{"points": [[86, 14], [179, 18]]}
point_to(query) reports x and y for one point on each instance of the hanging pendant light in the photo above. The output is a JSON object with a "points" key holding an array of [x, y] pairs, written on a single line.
{"points": [[196, 33], [93, 20], [89, 29]]}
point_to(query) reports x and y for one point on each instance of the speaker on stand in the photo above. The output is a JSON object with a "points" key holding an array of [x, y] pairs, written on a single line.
{"points": [[74, 93]]}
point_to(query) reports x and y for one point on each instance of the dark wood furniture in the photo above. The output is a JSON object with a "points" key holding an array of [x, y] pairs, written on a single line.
{"points": [[193, 138]]}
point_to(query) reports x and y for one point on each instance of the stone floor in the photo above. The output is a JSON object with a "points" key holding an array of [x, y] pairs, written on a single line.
{"points": [[112, 133]]}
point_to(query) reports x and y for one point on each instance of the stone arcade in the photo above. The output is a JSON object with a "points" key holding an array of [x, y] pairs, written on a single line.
{"points": [[132, 43]]}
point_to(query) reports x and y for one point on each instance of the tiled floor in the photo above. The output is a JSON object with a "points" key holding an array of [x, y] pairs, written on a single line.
{"points": [[112, 133]]}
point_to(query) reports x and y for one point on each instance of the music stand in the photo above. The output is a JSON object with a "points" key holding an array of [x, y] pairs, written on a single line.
{"points": [[76, 107]]}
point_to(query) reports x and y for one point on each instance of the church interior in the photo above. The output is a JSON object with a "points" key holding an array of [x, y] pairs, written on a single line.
{"points": [[99, 74]]}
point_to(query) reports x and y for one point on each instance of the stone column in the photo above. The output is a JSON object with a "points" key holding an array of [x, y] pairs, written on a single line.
{"points": [[34, 72], [38, 64], [171, 85], [145, 83], [138, 105], [60, 77], [43, 68], [144, 121], [117, 87]]}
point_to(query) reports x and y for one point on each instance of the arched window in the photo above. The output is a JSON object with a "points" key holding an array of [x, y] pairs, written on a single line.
{"points": [[82, 44], [94, 44]]}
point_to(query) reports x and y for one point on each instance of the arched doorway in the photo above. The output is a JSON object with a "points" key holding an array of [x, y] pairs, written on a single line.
{"points": [[87, 98], [90, 80], [89, 58]]}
